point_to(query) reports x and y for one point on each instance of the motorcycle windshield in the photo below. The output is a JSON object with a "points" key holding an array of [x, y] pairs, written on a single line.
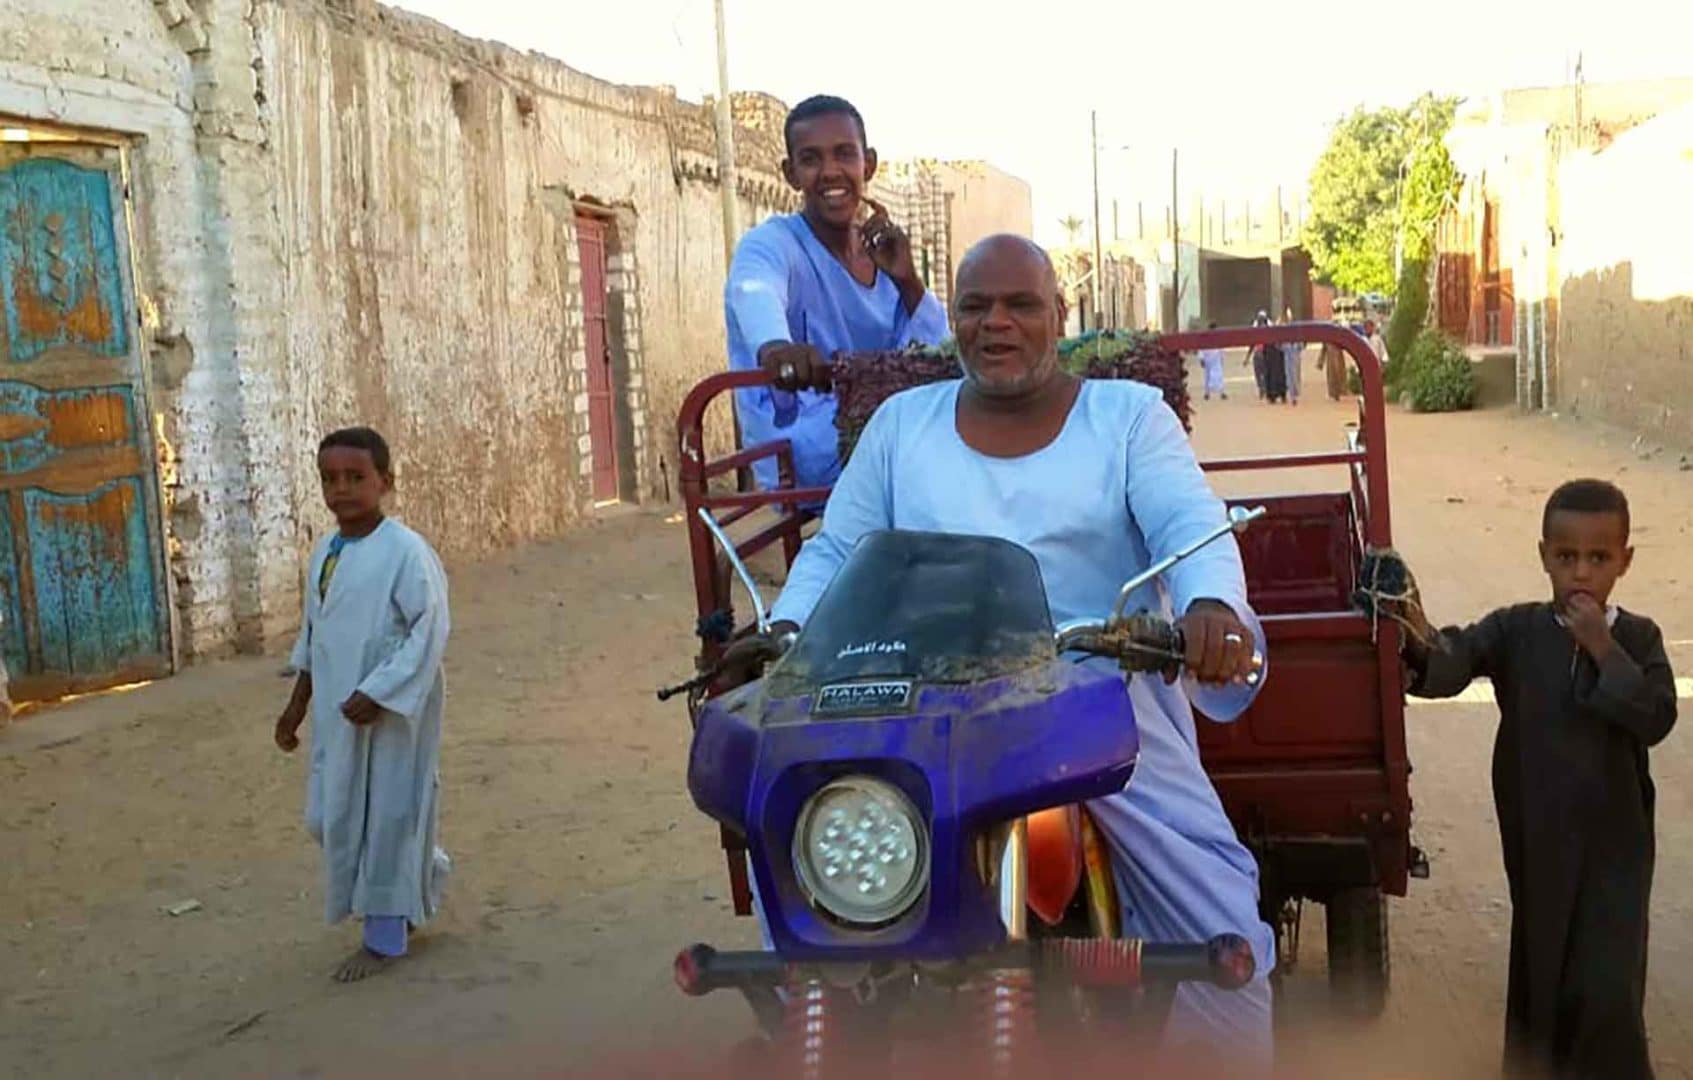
{"points": [[934, 607]]}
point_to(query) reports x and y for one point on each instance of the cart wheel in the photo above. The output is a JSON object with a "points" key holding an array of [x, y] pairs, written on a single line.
{"points": [[1359, 968]]}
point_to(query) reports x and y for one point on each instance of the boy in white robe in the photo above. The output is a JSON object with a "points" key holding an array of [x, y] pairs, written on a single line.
{"points": [[369, 662], [1211, 360]]}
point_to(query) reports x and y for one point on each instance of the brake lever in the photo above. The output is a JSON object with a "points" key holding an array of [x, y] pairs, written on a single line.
{"points": [[772, 649], [697, 682], [1135, 653]]}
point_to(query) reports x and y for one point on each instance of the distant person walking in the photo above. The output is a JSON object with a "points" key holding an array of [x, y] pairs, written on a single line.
{"points": [[1372, 333], [1268, 367], [1211, 360], [1332, 362], [1293, 360]]}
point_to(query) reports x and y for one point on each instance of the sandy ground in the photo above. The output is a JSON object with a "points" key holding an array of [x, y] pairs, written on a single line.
{"points": [[581, 866]]}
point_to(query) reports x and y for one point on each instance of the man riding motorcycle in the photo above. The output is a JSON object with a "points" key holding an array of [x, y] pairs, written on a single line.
{"points": [[1098, 481]]}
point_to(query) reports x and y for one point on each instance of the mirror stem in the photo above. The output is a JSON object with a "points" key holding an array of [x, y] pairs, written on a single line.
{"points": [[760, 614]]}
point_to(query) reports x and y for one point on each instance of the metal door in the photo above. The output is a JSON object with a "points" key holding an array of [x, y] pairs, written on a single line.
{"points": [[81, 564], [602, 411], [1494, 315]]}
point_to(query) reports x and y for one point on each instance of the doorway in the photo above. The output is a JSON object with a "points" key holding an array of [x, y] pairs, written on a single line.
{"points": [[82, 585], [591, 239]]}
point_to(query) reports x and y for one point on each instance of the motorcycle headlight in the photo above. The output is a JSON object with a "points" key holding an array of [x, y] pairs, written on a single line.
{"points": [[861, 850]]}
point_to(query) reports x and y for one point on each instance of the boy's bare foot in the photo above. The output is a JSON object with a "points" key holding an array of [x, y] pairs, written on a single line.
{"points": [[362, 965]]}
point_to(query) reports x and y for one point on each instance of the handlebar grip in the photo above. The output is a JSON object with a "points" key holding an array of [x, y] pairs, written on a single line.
{"points": [[700, 969], [1176, 645], [1225, 961]]}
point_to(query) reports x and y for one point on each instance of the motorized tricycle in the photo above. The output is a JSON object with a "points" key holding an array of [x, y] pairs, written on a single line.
{"points": [[1315, 775]]}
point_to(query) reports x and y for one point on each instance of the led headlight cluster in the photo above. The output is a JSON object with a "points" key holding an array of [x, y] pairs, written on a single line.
{"points": [[861, 850]]}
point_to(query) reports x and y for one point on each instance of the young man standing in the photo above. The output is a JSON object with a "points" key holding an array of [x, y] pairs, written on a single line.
{"points": [[805, 286]]}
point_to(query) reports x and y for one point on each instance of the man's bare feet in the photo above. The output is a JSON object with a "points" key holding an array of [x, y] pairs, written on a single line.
{"points": [[362, 965]]}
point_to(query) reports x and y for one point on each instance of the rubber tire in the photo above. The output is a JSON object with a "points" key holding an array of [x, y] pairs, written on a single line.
{"points": [[1360, 970]]}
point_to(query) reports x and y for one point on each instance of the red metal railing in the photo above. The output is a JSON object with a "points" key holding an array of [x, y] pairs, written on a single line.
{"points": [[697, 470], [1372, 413]]}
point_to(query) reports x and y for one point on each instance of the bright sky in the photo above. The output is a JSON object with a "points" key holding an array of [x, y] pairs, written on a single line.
{"points": [[1246, 90]]}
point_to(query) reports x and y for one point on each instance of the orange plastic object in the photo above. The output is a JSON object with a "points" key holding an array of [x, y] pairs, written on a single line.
{"points": [[1055, 861]]}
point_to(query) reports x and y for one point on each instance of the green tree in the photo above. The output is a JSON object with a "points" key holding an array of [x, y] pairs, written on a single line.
{"points": [[1410, 314], [1431, 181], [1072, 227], [1356, 189]]}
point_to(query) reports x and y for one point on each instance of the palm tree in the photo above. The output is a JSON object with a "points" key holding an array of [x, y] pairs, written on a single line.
{"points": [[1072, 226]]}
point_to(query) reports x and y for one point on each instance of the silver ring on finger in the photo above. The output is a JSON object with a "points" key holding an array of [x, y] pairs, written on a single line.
{"points": [[1234, 638], [786, 372]]}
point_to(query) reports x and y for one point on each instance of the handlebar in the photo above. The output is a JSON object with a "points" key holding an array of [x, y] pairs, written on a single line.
{"points": [[1225, 961]]}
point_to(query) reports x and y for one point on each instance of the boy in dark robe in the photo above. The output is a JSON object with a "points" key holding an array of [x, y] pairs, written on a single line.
{"points": [[1583, 690]]}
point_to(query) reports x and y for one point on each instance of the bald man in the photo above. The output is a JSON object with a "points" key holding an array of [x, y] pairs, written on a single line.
{"points": [[1097, 480]]}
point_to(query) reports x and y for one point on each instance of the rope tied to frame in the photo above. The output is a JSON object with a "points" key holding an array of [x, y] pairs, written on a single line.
{"points": [[1386, 587]]}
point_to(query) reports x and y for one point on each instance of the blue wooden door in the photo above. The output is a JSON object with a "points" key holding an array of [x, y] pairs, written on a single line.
{"points": [[81, 566]]}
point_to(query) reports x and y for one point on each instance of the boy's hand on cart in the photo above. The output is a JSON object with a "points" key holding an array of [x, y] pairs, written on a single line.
{"points": [[1589, 625], [1219, 646], [360, 710], [794, 366], [1388, 589], [1422, 634], [287, 730]]}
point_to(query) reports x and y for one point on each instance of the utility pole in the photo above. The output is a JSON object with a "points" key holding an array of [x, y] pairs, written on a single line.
{"points": [[1580, 141], [726, 146], [1098, 260], [1116, 230], [1175, 248]]}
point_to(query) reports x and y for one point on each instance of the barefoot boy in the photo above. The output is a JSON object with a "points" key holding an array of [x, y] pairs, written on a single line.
{"points": [[369, 658], [1583, 689]]}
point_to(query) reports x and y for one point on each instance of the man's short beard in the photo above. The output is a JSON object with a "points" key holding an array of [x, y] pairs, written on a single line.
{"points": [[1031, 380]]}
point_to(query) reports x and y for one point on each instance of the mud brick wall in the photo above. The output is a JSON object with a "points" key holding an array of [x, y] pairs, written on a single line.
{"points": [[349, 214]]}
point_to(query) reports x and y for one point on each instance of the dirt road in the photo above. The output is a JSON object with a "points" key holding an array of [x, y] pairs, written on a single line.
{"points": [[581, 866]]}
